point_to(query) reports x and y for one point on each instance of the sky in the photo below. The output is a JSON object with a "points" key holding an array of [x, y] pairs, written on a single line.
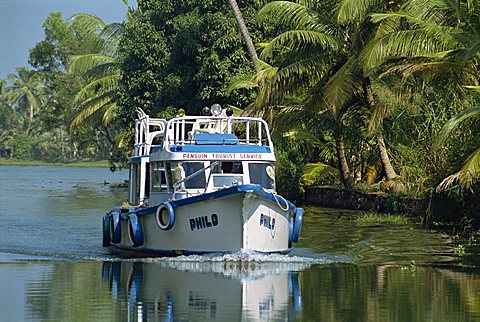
{"points": [[21, 24]]}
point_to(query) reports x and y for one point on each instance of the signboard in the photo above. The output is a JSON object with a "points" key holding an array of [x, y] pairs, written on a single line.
{"points": [[224, 156]]}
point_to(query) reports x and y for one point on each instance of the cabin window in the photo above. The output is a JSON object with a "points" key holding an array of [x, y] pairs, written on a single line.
{"points": [[198, 180], [262, 174], [228, 167], [159, 181], [227, 180]]}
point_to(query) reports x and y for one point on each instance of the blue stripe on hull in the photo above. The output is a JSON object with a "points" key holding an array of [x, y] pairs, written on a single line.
{"points": [[255, 188]]}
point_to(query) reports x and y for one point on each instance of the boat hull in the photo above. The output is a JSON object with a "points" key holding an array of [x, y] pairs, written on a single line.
{"points": [[242, 218]]}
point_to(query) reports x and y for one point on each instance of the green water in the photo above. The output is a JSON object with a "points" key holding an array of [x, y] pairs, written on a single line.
{"points": [[53, 267]]}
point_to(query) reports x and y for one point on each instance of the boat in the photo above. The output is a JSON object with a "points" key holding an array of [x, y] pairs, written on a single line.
{"points": [[202, 184]]}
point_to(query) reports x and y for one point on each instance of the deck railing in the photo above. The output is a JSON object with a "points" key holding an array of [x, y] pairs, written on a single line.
{"points": [[182, 130], [248, 130], [146, 129]]}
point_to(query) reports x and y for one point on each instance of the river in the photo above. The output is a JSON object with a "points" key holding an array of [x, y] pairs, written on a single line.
{"points": [[53, 267]]}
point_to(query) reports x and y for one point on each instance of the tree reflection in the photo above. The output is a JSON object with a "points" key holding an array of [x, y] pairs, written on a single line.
{"points": [[233, 291]]}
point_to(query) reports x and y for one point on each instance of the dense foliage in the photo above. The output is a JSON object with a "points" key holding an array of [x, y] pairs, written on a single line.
{"points": [[183, 54]]}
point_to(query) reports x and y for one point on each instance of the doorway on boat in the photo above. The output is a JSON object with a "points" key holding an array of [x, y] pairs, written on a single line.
{"points": [[139, 177]]}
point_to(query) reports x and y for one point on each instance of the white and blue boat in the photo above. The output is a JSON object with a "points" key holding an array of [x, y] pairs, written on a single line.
{"points": [[202, 184]]}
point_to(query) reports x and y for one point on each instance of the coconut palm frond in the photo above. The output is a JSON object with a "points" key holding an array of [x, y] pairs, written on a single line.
{"points": [[91, 107], [240, 83], [88, 22], [453, 123], [313, 172], [302, 135], [348, 10], [264, 74], [83, 63], [471, 44], [114, 30], [110, 114], [414, 20], [343, 85], [104, 84], [472, 88], [122, 139], [406, 44], [295, 40], [292, 14], [288, 82], [466, 176]]}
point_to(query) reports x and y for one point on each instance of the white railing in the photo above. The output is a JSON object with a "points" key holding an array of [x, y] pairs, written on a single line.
{"points": [[182, 130], [146, 129], [252, 131]]}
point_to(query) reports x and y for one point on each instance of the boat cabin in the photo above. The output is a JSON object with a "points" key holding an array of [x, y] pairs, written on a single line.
{"points": [[192, 155]]}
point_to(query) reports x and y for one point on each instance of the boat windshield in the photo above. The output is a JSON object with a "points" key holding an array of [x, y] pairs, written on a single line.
{"points": [[262, 174], [228, 167], [197, 181], [227, 180]]}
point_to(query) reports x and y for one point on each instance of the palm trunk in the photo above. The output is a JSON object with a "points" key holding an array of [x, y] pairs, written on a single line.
{"points": [[384, 158], [244, 31], [345, 175]]}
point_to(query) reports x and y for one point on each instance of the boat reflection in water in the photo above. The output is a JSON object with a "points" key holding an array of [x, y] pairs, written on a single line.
{"points": [[227, 291]]}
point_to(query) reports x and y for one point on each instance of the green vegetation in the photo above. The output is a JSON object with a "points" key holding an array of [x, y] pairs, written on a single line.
{"points": [[459, 250], [99, 164], [370, 218], [371, 95]]}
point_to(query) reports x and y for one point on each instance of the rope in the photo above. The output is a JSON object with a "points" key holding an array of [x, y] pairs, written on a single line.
{"points": [[128, 205], [278, 203]]}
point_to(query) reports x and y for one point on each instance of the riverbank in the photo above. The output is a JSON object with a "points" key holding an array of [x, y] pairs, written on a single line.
{"points": [[86, 164], [438, 209]]}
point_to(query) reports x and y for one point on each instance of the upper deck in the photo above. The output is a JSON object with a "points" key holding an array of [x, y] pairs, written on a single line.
{"points": [[186, 138]]}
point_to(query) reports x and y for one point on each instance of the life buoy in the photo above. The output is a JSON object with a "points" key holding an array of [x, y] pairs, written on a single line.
{"points": [[106, 230], [297, 224], [135, 231], [165, 216], [115, 228]]}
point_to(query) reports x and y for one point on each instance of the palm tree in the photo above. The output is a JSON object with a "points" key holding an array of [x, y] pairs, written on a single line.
{"points": [[6, 110], [295, 122], [5, 106], [96, 101], [244, 32], [322, 57], [470, 170], [27, 91], [434, 40]]}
